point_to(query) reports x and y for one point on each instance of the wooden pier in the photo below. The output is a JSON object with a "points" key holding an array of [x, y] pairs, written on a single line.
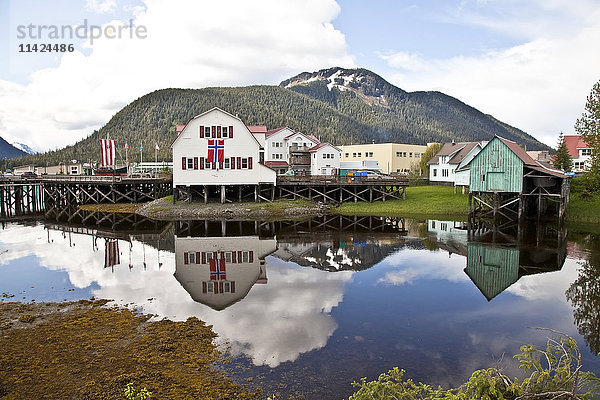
{"points": [[27, 196], [22, 197], [71, 190], [325, 189]]}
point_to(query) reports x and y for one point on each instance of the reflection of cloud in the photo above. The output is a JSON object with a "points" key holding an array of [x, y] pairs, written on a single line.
{"points": [[409, 266], [549, 285], [275, 323]]}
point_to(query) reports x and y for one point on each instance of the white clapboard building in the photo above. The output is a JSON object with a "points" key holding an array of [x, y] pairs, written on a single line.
{"points": [[215, 154]]}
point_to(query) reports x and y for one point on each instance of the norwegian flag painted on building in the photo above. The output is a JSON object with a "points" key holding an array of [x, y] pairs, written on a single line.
{"points": [[217, 269], [111, 253], [216, 151], [108, 149]]}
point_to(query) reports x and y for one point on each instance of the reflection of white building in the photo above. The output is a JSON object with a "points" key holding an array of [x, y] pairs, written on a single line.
{"points": [[287, 251], [218, 272], [450, 235]]}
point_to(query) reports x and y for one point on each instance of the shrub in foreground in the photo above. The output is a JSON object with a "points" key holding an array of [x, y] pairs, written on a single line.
{"points": [[553, 373]]}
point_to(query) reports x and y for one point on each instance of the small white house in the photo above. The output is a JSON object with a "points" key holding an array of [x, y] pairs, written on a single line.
{"points": [[462, 174], [325, 159], [282, 147], [443, 165], [217, 148]]}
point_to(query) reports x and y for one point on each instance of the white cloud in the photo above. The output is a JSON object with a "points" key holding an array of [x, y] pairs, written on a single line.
{"points": [[101, 6], [539, 85], [404, 60], [189, 44]]}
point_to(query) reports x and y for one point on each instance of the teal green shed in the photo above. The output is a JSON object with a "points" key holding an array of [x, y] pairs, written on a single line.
{"points": [[499, 166], [504, 180]]}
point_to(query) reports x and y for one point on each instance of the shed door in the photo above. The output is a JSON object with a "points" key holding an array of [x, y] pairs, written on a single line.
{"points": [[495, 181]]}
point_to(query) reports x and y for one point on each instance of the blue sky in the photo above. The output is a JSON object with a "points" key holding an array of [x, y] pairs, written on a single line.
{"points": [[528, 63]]}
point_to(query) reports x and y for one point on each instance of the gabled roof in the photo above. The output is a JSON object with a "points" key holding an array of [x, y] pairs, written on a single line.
{"points": [[456, 150], [309, 137], [273, 131], [528, 161], [320, 145], [257, 128], [519, 151], [574, 143], [211, 110]]}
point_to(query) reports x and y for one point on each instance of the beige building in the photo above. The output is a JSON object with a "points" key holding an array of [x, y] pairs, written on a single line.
{"points": [[393, 158]]}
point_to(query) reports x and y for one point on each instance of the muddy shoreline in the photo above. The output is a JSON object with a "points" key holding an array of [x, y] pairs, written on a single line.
{"points": [[164, 210]]}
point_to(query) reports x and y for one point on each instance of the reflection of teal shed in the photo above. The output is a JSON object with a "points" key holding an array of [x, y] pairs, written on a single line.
{"points": [[492, 269], [505, 180]]}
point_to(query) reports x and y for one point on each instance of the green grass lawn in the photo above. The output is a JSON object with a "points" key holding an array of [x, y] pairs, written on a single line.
{"points": [[583, 210], [421, 201]]}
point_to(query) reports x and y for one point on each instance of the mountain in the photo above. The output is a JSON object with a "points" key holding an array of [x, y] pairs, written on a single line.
{"points": [[338, 105], [24, 148], [9, 151], [396, 115]]}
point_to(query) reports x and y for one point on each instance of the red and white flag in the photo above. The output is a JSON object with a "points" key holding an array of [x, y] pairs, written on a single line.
{"points": [[126, 146], [111, 253], [108, 149]]}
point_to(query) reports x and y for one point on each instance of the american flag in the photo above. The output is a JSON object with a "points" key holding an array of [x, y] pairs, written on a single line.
{"points": [[216, 150], [217, 269], [108, 149]]}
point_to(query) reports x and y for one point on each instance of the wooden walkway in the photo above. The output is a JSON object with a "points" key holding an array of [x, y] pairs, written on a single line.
{"points": [[325, 189]]}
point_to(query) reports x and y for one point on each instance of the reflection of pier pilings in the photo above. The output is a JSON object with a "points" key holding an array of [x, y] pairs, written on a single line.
{"points": [[270, 228], [84, 221]]}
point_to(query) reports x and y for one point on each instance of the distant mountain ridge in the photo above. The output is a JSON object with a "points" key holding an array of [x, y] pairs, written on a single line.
{"points": [[338, 105], [416, 117], [24, 148], [7, 150]]}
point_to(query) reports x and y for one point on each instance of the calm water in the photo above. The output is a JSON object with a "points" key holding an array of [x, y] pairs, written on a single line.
{"points": [[309, 307]]}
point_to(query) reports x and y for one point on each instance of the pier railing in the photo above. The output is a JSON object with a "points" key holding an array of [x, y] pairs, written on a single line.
{"points": [[329, 179]]}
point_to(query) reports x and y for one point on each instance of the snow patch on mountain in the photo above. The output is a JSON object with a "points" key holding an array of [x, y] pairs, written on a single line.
{"points": [[24, 147]]}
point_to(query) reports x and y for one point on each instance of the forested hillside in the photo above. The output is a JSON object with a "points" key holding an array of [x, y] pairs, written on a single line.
{"points": [[373, 110]]}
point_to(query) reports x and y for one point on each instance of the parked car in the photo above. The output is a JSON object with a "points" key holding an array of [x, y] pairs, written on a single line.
{"points": [[28, 174]]}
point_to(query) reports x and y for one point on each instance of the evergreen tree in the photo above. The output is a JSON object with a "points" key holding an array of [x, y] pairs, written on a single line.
{"points": [[588, 126], [562, 159]]}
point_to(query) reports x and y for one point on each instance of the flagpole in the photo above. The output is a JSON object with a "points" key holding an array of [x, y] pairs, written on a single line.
{"points": [[141, 148]]}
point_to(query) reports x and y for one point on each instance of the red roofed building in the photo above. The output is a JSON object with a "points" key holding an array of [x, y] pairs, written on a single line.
{"points": [[580, 151]]}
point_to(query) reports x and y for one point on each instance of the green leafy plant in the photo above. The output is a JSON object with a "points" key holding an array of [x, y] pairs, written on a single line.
{"points": [[132, 394], [551, 373]]}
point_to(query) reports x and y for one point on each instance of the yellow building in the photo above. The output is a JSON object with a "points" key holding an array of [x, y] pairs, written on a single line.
{"points": [[393, 158]]}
